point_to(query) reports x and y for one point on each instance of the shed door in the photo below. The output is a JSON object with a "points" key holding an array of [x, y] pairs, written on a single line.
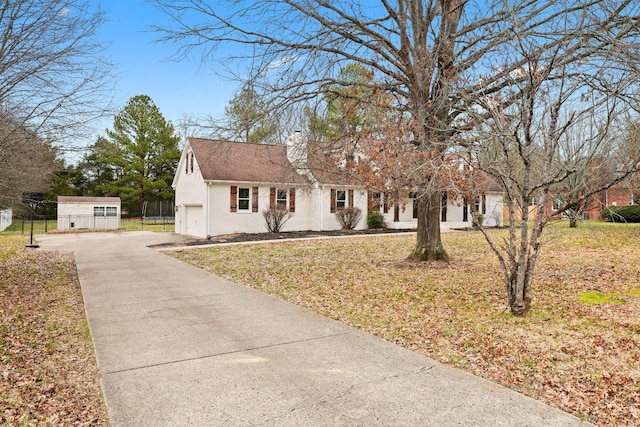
{"points": [[194, 221]]}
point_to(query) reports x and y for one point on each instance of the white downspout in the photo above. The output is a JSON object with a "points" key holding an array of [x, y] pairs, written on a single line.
{"points": [[320, 192], [208, 210]]}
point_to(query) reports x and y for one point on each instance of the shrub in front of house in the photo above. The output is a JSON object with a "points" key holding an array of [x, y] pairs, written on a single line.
{"points": [[375, 219], [275, 219], [349, 217], [621, 213]]}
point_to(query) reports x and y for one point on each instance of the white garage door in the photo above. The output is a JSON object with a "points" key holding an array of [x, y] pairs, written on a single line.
{"points": [[194, 221]]}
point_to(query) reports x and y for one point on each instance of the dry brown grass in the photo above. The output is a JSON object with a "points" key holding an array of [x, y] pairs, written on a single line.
{"points": [[48, 373], [581, 358]]}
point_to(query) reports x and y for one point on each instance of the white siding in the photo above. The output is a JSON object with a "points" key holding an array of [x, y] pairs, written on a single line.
{"points": [[5, 218], [190, 191], [312, 210], [455, 214], [81, 216]]}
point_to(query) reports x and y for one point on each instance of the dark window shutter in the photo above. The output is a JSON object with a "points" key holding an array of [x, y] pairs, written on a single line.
{"points": [[233, 199], [350, 198], [292, 200], [396, 213], [385, 206], [333, 200], [484, 204], [254, 201], [272, 198]]}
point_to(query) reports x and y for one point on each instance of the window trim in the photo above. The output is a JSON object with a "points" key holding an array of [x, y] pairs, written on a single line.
{"points": [[243, 199], [280, 202], [341, 200], [414, 204]]}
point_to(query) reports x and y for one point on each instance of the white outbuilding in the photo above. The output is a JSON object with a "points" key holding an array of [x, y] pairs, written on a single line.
{"points": [[88, 213]]}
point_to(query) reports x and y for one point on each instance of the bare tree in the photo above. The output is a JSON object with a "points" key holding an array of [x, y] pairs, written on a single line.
{"points": [[52, 78], [555, 119], [434, 57], [27, 162], [419, 50]]}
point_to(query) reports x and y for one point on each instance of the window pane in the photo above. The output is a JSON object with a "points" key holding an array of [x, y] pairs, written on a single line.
{"points": [[243, 199], [98, 211], [341, 199], [281, 198], [112, 211]]}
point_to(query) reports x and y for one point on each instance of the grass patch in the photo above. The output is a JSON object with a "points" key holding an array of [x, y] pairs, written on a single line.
{"points": [[580, 358], [597, 297], [20, 227], [48, 373]]}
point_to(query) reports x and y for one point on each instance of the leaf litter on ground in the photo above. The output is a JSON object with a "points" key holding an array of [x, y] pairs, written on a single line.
{"points": [[581, 358], [48, 372]]}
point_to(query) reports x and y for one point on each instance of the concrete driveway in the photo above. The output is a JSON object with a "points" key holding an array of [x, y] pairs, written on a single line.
{"points": [[177, 346]]}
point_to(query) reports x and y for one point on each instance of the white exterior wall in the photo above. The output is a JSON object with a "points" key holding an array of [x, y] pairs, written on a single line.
{"points": [[455, 214], [190, 199], [6, 216], [312, 210], [190, 195], [223, 221], [494, 217], [326, 220], [80, 215]]}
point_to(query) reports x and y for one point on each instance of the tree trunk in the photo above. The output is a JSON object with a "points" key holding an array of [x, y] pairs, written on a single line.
{"points": [[520, 292], [429, 244], [573, 221]]}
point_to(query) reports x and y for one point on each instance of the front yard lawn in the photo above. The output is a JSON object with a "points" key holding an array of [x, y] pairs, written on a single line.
{"points": [[578, 350], [48, 372]]}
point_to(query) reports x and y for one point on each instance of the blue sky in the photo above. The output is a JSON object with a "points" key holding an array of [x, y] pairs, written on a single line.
{"points": [[143, 67]]}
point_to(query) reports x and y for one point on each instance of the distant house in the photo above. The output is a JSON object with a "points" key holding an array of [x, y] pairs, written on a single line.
{"points": [[94, 213], [223, 187], [621, 194]]}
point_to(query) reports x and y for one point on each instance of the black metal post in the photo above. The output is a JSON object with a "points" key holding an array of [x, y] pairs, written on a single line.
{"points": [[31, 244]]}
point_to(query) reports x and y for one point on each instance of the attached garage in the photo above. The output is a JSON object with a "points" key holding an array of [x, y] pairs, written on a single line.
{"points": [[88, 213], [194, 220]]}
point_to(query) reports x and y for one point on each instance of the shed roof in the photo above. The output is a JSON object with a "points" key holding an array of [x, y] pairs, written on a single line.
{"points": [[87, 199]]}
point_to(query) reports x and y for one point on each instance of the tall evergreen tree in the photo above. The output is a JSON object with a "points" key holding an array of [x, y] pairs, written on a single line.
{"points": [[247, 118], [141, 152]]}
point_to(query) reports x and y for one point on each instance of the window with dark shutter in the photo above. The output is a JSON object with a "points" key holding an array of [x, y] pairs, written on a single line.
{"points": [[244, 198], [281, 199], [292, 200], [341, 199], [333, 201], [414, 197], [233, 199], [351, 198], [254, 202]]}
